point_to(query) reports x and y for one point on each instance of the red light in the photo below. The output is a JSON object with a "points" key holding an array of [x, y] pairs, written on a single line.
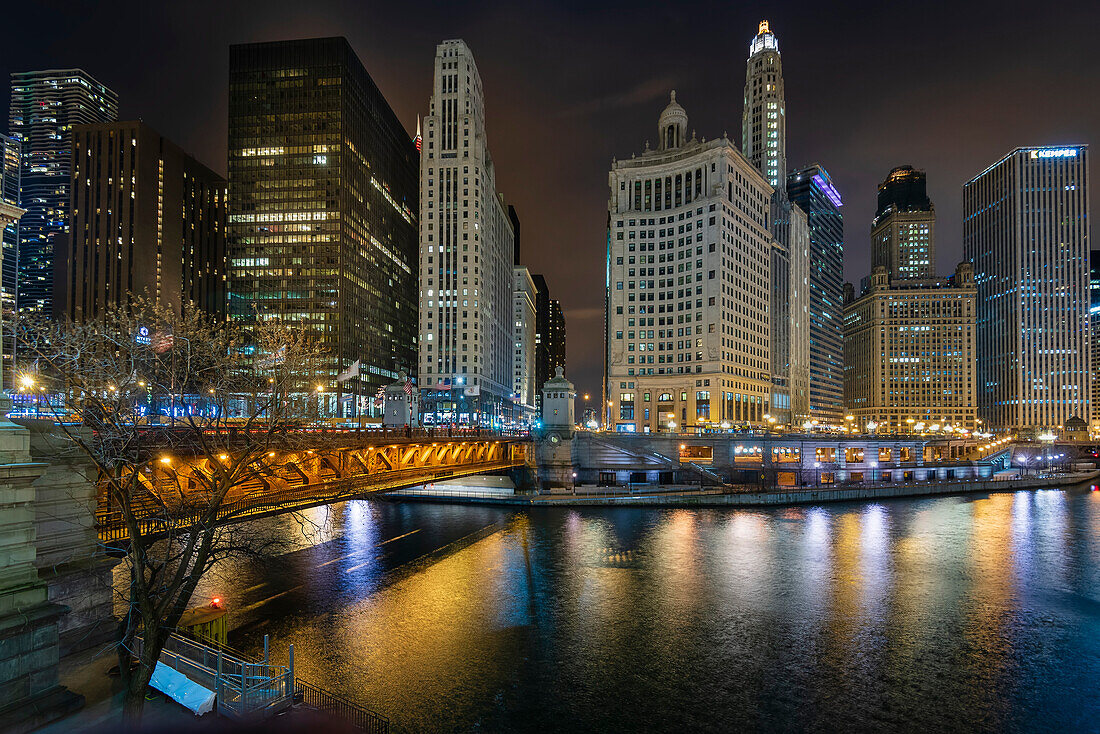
{"points": [[215, 602]]}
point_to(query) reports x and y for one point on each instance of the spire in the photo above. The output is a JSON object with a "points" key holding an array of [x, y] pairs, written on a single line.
{"points": [[763, 28], [419, 139]]}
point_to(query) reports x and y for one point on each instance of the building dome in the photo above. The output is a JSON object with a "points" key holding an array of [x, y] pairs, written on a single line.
{"points": [[672, 124]]}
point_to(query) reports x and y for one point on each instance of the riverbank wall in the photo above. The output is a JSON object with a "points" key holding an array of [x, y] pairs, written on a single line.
{"points": [[745, 497]]}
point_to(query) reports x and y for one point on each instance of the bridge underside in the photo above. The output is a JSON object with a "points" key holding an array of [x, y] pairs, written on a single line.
{"points": [[175, 491]]}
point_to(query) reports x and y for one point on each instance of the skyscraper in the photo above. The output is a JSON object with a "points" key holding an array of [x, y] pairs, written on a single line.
{"points": [[9, 246], [813, 192], [524, 388], [689, 273], [1094, 338], [147, 220], [323, 212], [903, 233], [764, 120], [45, 105], [466, 255], [1026, 228], [764, 143], [909, 353]]}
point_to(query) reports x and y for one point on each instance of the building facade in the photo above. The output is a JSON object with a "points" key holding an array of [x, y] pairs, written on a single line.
{"points": [[689, 285], [466, 255], [813, 192], [146, 219], [764, 144], [323, 218], [1026, 230], [523, 354], [1094, 339], [549, 335], [555, 340], [909, 353], [45, 105], [764, 119], [9, 249], [903, 233]]}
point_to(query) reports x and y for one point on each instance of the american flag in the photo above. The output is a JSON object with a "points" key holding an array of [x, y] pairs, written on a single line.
{"points": [[162, 342], [380, 396], [408, 387]]}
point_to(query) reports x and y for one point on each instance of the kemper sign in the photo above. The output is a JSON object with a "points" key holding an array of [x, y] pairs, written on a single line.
{"points": [[1055, 153]]}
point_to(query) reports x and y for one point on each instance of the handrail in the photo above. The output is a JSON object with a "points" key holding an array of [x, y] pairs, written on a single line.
{"points": [[318, 698]]}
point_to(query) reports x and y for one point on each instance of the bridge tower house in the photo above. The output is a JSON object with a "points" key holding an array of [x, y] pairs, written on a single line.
{"points": [[554, 439]]}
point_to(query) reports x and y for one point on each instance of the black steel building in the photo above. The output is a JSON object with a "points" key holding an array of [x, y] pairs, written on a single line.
{"points": [[323, 184], [146, 219], [549, 335]]}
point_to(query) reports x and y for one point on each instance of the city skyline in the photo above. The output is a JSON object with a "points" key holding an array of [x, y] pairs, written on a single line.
{"points": [[857, 134]]}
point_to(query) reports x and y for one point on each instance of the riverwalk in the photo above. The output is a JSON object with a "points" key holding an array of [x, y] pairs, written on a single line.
{"points": [[741, 496]]}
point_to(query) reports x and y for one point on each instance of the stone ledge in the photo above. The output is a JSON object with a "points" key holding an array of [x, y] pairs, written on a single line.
{"points": [[31, 713], [14, 623]]}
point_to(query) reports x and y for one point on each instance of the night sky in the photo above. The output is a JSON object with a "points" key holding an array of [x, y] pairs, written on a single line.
{"points": [[947, 87]]}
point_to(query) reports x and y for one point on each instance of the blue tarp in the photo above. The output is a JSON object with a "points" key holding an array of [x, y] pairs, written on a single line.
{"points": [[182, 689]]}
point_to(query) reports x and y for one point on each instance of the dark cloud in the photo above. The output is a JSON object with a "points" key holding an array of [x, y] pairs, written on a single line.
{"points": [[948, 87]]}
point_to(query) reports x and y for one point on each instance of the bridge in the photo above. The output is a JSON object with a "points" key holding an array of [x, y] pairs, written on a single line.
{"points": [[173, 494], [766, 459]]}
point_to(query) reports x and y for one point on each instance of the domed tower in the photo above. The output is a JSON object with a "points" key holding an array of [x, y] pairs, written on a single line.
{"points": [[672, 125]]}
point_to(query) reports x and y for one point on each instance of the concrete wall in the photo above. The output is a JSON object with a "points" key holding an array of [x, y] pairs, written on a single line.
{"points": [[70, 560]]}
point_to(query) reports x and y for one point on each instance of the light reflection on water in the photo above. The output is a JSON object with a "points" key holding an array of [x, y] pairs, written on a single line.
{"points": [[938, 614]]}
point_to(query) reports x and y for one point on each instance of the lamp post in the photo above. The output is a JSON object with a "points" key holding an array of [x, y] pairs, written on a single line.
{"points": [[873, 465], [817, 473]]}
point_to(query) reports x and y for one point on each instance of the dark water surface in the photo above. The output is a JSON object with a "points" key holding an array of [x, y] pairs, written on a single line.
{"points": [[944, 614]]}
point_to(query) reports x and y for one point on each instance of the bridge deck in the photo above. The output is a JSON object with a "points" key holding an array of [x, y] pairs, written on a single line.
{"points": [[174, 496]]}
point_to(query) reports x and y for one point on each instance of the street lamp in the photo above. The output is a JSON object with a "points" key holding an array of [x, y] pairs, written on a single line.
{"points": [[874, 464], [817, 473]]}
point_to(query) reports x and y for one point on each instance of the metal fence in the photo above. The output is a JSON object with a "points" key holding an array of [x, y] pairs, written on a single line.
{"points": [[329, 703]]}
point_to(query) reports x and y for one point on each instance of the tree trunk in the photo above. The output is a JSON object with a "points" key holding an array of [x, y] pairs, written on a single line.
{"points": [[133, 700]]}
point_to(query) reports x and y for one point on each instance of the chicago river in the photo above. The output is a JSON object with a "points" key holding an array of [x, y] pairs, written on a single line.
{"points": [[976, 613]]}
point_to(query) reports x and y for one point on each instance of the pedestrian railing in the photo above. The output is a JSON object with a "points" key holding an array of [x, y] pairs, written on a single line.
{"points": [[244, 689], [338, 707], [248, 687]]}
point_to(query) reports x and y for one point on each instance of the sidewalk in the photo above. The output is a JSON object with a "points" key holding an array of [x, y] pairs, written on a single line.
{"points": [[86, 673]]}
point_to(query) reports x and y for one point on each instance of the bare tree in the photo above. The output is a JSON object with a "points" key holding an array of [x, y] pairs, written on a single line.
{"points": [[144, 391]]}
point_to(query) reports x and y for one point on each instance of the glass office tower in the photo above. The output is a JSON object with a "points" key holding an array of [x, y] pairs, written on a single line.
{"points": [[44, 107], [1026, 229], [814, 193]]}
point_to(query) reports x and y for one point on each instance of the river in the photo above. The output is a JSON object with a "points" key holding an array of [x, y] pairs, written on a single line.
{"points": [[938, 614]]}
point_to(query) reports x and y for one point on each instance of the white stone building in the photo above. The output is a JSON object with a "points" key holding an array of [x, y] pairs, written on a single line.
{"points": [[523, 353], [689, 248], [466, 255], [764, 143]]}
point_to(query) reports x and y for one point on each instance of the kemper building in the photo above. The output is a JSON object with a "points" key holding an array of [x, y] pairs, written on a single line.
{"points": [[1026, 229], [466, 256], [689, 285]]}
